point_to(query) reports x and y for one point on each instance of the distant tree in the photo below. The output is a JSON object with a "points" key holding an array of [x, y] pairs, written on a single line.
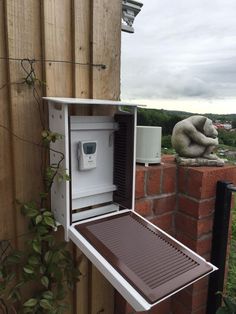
{"points": [[234, 123], [166, 141], [227, 138], [153, 117]]}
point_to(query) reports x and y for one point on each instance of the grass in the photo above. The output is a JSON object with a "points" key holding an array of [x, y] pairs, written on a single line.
{"points": [[231, 282]]}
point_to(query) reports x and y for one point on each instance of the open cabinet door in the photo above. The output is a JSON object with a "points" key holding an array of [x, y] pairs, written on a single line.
{"points": [[142, 262]]}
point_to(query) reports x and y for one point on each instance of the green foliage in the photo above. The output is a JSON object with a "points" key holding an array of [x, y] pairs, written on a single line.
{"points": [[231, 282], [44, 262], [227, 138], [166, 141], [48, 136], [234, 123], [229, 306], [154, 117]]}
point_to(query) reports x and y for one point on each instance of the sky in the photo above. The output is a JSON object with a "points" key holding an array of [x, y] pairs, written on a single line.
{"points": [[182, 56]]}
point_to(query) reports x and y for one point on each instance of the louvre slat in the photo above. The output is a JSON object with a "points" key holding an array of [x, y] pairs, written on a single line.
{"points": [[151, 261]]}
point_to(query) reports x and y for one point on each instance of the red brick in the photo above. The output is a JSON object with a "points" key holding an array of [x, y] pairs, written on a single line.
{"points": [[204, 245], [201, 182], [154, 180], [202, 310], [192, 301], [182, 179], [168, 159], [186, 240], [200, 246], [205, 225], [193, 227], [169, 178], [194, 208], [140, 182], [186, 225], [164, 204], [179, 308], [164, 222], [201, 284], [143, 207], [161, 308]]}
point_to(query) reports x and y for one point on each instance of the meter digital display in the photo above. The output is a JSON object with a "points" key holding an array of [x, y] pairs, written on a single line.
{"points": [[89, 148], [87, 155]]}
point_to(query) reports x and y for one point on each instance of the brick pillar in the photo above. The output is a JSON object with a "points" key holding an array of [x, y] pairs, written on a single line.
{"points": [[181, 201], [193, 225]]}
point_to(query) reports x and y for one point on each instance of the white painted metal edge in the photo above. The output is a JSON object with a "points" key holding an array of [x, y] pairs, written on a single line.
{"points": [[134, 158], [78, 101], [103, 216], [94, 212]]}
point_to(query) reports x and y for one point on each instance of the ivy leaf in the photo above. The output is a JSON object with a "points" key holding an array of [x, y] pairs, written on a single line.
{"points": [[47, 213], [49, 221], [37, 246], [44, 133], [45, 281], [38, 219], [33, 260], [45, 304], [32, 213], [48, 295], [28, 269], [42, 269], [14, 258], [31, 302], [48, 256]]}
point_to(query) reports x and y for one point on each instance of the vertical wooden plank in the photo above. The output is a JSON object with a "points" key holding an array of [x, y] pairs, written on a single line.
{"points": [[106, 50], [106, 85], [82, 51], [58, 47], [82, 89], [24, 41], [58, 71], [7, 222]]}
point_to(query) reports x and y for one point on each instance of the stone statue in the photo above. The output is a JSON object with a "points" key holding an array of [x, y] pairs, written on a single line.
{"points": [[194, 140]]}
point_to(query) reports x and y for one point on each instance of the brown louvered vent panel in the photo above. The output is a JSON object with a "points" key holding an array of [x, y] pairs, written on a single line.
{"points": [[150, 261], [123, 159]]}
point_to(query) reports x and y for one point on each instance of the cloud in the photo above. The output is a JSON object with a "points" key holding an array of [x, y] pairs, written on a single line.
{"points": [[181, 49]]}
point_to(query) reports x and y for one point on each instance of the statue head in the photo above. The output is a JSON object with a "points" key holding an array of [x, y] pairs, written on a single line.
{"points": [[209, 129]]}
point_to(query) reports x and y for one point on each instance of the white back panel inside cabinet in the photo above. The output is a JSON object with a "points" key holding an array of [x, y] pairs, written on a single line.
{"points": [[94, 185]]}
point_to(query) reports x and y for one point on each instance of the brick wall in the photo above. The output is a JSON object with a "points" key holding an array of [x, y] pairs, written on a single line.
{"points": [[181, 201]]}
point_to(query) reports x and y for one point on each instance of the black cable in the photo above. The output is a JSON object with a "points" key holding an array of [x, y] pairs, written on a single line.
{"points": [[103, 66]]}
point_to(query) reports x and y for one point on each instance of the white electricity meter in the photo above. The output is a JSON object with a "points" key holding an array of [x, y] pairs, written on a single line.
{"points": [[87, 155]]}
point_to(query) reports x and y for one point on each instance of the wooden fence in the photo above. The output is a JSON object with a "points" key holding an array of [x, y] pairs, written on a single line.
{"points": [[76, 48]]}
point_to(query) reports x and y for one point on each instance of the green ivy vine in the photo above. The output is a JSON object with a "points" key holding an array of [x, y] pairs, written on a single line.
{"points": [[44, 269]]}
